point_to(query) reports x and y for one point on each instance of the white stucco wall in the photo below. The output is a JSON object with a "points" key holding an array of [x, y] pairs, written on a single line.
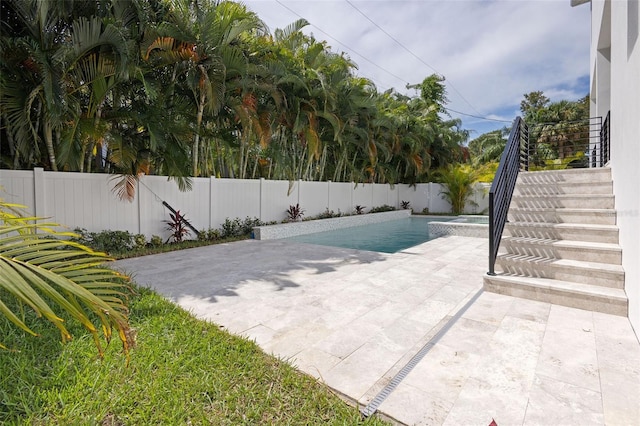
{"points": [[616, 22]]}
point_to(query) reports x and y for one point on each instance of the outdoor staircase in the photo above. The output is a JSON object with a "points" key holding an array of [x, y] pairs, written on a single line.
{"points": [[560, 244]]}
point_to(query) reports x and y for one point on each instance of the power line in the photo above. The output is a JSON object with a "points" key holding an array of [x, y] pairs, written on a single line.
{"points": [[343, 44], [477, 116], [411, 53]]}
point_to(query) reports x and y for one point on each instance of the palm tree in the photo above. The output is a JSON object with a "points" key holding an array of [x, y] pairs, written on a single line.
{"points": [[57, 70], [458, 180]]}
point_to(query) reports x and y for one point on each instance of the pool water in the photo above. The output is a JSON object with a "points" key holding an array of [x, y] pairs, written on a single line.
{"points": [[385, 237]]}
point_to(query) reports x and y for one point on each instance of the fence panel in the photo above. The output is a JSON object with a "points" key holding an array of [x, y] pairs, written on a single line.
{"points": [[194, 204], [437, 201], [86, 200], [233, 198], [362, 196], [417, 195], [275, 200], [380, 195], [17, 186], [340, 198], [479, 202], [313, 197]]}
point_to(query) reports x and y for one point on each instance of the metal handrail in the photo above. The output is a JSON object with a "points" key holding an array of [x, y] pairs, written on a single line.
{"points": [[503, 185], [605, 140], [519, 153]]}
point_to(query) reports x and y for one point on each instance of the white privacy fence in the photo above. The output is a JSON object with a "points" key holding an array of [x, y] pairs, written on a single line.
{"points": [[86, 200]]}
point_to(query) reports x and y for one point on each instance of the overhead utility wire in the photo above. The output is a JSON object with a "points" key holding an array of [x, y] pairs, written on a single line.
{"points": [[477, 116], [349, 48], [386, 70], [412, 53]]}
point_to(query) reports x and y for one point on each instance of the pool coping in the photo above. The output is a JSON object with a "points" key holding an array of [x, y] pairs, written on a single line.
{"points": [[293, 229]]}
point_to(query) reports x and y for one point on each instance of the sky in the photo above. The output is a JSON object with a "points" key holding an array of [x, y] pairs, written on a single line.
{"points": [[491, 52]]}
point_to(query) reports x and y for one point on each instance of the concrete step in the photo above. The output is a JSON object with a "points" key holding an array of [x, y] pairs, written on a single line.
{"points": [[572, 201], [561, 215], [563, 249], [582, 296], [566, 176], [563, 231], [545, 188], [596, 274]]}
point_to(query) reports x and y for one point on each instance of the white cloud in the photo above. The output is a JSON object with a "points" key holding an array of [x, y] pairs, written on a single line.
{"points": [[491, 52]]}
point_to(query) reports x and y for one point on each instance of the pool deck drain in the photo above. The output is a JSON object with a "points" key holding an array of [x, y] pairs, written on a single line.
{"points": [[373, 406], [353, 319]]}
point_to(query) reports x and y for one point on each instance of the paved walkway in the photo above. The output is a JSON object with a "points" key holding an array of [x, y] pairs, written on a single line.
{"points": [[354, 319]]}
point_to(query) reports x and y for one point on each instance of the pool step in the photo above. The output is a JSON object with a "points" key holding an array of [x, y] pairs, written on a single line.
{"points": [[560, 244]]}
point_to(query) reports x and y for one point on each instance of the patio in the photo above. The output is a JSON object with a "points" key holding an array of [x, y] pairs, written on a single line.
{"points": [[354, 319]]}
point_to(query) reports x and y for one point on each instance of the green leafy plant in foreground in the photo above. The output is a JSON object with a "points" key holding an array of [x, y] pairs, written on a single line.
{"points": [[41, 272]]}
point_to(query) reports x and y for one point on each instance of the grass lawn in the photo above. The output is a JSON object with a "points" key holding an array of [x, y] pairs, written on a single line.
{"points": [[182, 371]]}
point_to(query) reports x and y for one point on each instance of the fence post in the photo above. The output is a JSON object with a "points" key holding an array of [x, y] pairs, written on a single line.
{"points": [[39, 206], [138, 196], [260, 199]]}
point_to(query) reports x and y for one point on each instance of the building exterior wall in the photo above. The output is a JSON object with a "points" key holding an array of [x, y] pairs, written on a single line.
{"points": [[616, 87]]}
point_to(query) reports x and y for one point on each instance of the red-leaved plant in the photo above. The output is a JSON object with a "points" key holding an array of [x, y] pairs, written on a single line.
{"points": [[295, 213], [178, 227]]}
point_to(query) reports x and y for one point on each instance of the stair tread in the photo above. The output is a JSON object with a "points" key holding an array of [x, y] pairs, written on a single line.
{"points": [[563, 225], [552, 183], [587, 196], [585, 245], [599, 170], [581, 264], [572, 287], [559, 210]]}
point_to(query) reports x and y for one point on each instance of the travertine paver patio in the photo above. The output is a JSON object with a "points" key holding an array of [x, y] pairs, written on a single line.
{"points": [[353, 319]]}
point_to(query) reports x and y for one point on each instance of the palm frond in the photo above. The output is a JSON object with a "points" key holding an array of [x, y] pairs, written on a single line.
{"points": [[42, 271]]}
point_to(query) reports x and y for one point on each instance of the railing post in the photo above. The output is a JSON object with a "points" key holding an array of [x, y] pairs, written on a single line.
{"points": [[492, 256]]}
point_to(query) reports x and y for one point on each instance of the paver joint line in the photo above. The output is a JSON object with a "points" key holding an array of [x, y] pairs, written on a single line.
{"points": [[372, 407]]}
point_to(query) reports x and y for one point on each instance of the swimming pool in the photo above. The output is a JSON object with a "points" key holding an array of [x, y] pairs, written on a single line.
{"points": [[386, 237]]}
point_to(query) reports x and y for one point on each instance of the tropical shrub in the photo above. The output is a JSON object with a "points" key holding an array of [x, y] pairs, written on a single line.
{"points": [[328, 214], [156, 241], [458, 180], [139, 241], [382, 208], [360, 209], [406, 205], [106, 241], [177, 227], [237, 227], [294, 213], [41, 269], [209, 235]]}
